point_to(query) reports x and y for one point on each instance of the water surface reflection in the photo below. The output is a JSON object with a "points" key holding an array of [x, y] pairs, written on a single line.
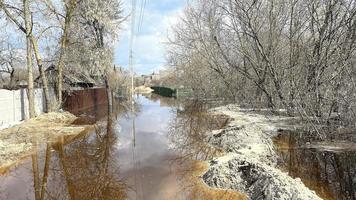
{"points": [[161, 159], [188, 133], [83, 168], [332, 174]]}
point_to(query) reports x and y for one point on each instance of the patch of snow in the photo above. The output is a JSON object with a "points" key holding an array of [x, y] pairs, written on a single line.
{"points": [[250, 163]]}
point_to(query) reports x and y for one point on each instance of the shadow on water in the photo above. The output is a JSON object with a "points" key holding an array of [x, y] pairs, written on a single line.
{"points": [[330, 172]]}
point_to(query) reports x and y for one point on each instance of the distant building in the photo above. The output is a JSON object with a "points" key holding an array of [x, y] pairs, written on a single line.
{"points": [[154, 79], [146, 79]]}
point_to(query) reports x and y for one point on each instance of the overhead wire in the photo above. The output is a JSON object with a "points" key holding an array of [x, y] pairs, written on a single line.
{"points": [[142, 14], [136, 161]]}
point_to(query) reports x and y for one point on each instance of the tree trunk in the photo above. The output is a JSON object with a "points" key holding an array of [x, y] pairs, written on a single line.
{"points": [[60, 75], [12, 78], [49, 105], [67, 21], [109, 96], [31, 96]]}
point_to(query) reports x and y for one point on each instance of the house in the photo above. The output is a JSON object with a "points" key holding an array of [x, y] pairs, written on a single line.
{"points": [[71, 80]]}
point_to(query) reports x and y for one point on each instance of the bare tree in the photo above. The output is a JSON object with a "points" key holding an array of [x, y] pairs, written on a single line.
{"points": [[10, 59], [296, 54], [30, 83], [69, 10], [12, 17], [99, 22]]}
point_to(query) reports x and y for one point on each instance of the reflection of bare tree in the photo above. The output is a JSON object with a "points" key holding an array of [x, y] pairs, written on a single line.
{"points": [[189, 132], [35, 169], [46, 170], [70, 185], [331, 174], [83, 169]]}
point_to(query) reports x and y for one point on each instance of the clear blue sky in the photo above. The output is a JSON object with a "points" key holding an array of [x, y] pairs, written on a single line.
{"points": [[149, 50]]}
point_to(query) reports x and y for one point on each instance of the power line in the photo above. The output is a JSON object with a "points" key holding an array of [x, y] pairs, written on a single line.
{"points": [[142, 14]]}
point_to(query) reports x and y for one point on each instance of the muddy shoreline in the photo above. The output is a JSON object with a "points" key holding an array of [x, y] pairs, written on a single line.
{"points": [[250, 162]]}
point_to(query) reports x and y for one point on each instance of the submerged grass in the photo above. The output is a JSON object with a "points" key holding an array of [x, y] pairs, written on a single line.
{"points": [[20, 141]]}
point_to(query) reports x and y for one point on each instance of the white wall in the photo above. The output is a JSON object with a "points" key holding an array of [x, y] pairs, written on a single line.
{"points": [[14, 106]]}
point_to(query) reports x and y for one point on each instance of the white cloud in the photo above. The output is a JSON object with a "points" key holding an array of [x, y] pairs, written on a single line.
{"points": [[149, 48]]}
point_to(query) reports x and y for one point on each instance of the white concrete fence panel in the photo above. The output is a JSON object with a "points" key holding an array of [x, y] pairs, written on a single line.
{"points": [[14, 106]]}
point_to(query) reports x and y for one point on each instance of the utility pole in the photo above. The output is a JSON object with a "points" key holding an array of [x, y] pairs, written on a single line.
{"points": [[132, 40], [131, 63]]}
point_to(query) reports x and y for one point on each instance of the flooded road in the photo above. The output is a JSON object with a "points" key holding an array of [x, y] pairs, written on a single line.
{"points": [[111, 163], [160, 159], [145, 155], [115, 162]]}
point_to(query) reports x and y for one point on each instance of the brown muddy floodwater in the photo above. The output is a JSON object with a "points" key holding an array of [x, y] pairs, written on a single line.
{"points": [[113, 162], [329, 171], [160, 160]]}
